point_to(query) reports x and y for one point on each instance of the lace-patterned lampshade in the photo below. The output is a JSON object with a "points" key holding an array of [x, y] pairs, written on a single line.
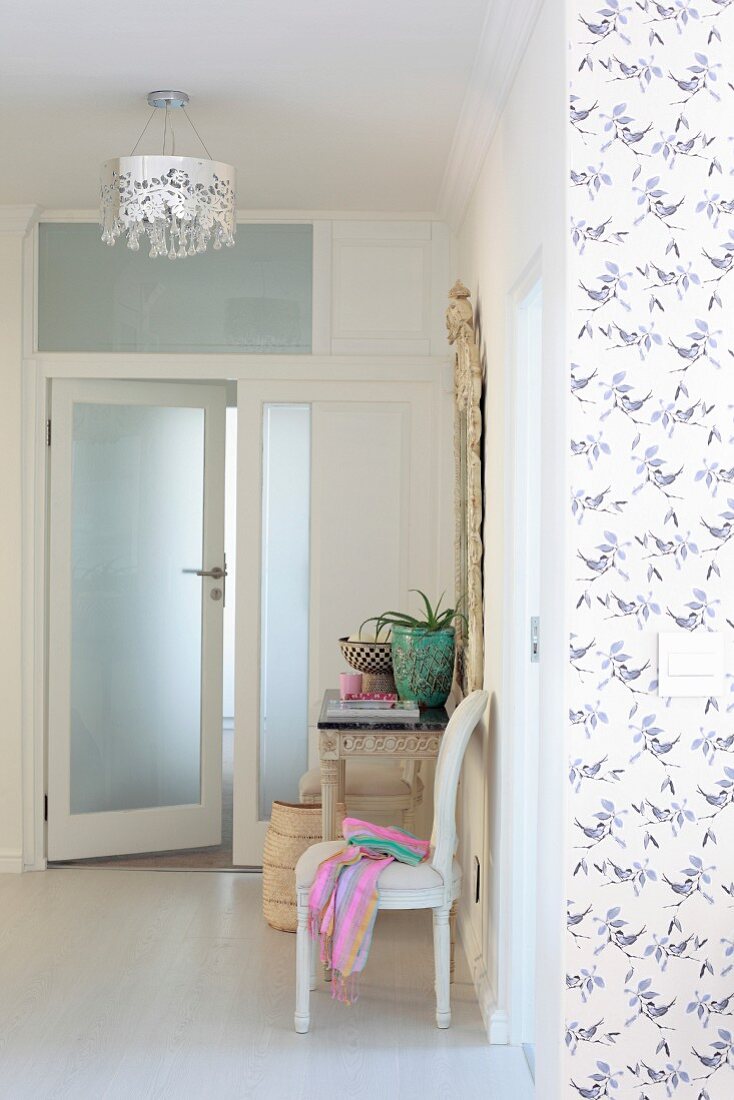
{"points": [[179, 203]]}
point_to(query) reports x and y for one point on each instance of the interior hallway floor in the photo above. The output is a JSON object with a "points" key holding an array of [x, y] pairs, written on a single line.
{"points": [[121, 984]]}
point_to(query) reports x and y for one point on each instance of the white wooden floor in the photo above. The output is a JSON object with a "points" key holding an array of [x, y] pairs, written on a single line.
{"points": [[133, 984]]}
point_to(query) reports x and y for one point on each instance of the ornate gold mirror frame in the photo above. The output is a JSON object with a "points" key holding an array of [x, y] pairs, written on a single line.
{"points": [[468, 505]]}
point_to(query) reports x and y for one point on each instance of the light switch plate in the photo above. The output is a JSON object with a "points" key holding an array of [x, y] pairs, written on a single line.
{"points": [[691, 665]]}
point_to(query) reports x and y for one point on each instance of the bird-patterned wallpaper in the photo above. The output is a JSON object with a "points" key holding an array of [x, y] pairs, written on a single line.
{"points": [[650, 953]]}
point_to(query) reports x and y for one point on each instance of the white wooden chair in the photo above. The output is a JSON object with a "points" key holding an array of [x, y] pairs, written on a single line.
{"points": [[385, 792], [434, 884]]}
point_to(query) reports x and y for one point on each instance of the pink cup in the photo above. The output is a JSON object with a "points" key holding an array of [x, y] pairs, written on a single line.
{"points": [[350, 683]]}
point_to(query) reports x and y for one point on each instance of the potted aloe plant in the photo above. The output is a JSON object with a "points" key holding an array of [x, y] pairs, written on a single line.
{"points": [[422, 651]]}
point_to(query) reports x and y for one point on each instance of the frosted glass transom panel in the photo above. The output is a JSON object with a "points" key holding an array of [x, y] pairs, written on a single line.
{"points": [[137, 522], [255, 297], [284, 626]]}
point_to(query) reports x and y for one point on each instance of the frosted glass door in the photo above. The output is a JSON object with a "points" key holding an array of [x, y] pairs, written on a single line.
{"points": [[284, 621], [135, 690]]}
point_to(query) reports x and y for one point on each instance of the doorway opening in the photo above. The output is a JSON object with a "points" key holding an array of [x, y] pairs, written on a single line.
{"points": [[524, 643]]}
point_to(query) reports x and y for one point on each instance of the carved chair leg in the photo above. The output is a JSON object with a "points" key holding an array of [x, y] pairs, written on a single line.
{"points": [[304, 954], [314, 961], [442, 960], [452, 926]]}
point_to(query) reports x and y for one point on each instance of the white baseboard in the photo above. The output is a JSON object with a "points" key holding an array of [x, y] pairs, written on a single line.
{"points": [[498, 1028], [10, 862], [496, 1022], [38, 865]]}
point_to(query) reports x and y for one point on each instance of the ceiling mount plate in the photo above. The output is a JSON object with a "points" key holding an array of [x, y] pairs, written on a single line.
{"points": [[167, 99]]}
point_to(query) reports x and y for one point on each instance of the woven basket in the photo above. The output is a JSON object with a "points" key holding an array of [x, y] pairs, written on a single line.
{"points": [[292, 829]]}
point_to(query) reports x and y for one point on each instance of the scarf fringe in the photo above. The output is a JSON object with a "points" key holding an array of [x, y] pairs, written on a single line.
{"points": [[345, 989]]}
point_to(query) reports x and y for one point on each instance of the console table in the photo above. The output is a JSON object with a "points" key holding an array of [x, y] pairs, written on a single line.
{"points": [[340, 741]]}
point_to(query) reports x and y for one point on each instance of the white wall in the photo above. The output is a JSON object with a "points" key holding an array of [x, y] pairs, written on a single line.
{"points": [[13, 223], [516, 217]]}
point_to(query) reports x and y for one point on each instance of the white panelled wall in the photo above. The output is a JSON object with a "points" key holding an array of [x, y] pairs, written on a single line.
{"points": [[380, 288], [14, 224], [389, 290]]}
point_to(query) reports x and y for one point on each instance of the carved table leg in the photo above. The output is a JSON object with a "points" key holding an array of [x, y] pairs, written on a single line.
{"points": [[329, 793], [452, 927], [342, 785]]}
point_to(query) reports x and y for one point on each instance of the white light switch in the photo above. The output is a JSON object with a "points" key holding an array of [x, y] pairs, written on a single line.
{"points": [[691, 664]]}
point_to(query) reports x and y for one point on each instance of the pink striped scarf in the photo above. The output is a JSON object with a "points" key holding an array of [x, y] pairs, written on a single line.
{"points": [[342, 902]]}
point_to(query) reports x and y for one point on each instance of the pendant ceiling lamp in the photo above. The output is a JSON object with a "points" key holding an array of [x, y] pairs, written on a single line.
{"points": [[179, 203]]}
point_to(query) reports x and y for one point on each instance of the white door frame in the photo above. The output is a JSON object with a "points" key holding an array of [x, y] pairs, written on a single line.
{"points": [[521, 716], [321, 372], [550, 887]]}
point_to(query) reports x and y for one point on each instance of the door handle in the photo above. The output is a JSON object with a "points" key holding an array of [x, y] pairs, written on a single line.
{"points": [[217, 574]]}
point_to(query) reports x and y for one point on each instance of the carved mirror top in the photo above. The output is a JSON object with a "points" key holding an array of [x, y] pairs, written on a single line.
{"points": [[468, 504], [460, 329], [459, 315]]}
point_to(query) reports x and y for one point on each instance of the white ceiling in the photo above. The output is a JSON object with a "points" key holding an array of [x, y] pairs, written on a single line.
{"points": [[320, 104]]}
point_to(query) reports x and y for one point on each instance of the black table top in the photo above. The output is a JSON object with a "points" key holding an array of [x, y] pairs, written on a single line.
{"points": [[431, 720]]}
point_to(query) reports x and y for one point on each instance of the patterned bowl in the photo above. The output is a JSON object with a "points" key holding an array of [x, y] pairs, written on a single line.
{"points": [[373, 658]]}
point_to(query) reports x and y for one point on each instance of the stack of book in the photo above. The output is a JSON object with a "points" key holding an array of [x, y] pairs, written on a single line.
{"points": [[372, 708]]}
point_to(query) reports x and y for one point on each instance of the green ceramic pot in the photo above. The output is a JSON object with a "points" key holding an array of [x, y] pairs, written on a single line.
{"points": [[423, 664]]}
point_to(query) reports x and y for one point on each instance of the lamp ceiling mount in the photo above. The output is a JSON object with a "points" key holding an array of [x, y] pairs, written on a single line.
{"points": [[167, 99]]}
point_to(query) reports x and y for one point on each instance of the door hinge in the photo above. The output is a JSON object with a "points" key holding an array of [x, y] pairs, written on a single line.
{"points": [[45, 807], [535, 639], [48, 433]]}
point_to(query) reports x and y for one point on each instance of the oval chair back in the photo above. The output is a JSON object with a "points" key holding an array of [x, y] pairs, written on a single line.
{"points": [[461, 725]]}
